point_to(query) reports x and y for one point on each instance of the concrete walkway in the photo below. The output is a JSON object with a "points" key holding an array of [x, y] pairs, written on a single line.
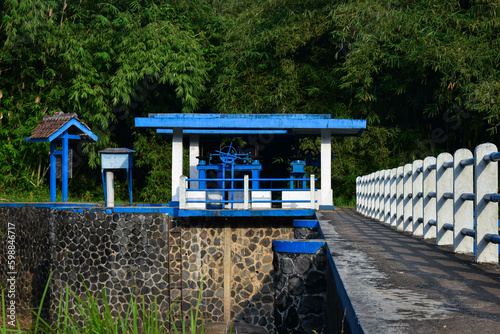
{"points": [[402, 284]]}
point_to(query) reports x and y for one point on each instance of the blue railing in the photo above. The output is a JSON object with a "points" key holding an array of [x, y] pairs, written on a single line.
{"points": [[233, 193]]}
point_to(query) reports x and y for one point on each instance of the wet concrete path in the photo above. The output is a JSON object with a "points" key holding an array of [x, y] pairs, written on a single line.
{"points": [[402, 284]]}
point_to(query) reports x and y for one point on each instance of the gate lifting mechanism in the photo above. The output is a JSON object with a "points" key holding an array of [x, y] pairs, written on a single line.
{"points": [[228, 159]]}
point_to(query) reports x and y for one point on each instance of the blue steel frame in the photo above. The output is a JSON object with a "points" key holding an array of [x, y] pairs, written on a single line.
{"points": [[245, 123], [232, 190]]}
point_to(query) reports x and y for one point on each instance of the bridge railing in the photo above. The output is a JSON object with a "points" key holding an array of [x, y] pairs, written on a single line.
{"points": [[452, 198]]}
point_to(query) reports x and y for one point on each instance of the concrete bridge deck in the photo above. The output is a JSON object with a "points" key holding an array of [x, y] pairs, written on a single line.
{"points": [[398, 283]]}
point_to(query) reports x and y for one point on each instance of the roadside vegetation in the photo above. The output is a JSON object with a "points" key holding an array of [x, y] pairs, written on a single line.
{"points": [[426, 76]]}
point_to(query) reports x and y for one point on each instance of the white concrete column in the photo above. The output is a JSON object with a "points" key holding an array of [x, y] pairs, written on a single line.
{"points": [[326, 170], [387, 197], [381, 196], [194, 151], [177, 162], [368, 195], [110, 189], [182, 192], [444, 205], [394, 172], [486, 175], [399, 199], [429, 201], [407, 199], [358, 192], [312, 195], [246, 192], [376, 190], [418, 207], [463, 215]]}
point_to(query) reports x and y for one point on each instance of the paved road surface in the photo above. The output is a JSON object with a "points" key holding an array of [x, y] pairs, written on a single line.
{"points": [[402, 284]]}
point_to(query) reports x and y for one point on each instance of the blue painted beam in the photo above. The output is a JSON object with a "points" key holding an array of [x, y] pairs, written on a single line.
{"points": [[238, 116], [298, 246], [224, 132], [305, 223], [247, 121]]}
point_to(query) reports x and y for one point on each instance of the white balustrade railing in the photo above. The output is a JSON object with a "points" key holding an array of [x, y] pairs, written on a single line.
{"points": [[436, 198]]}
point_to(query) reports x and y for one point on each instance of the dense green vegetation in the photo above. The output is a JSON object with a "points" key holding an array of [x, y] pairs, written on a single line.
{"points": [[425, 74]]}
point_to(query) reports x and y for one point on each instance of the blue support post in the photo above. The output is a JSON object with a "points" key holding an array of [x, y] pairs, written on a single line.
{"points": [[64, 165], [203, 175], [255, 175], [53, 181], [103, 175], [129, 173]]}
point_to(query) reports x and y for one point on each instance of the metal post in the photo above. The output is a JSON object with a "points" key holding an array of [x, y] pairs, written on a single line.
{"points": [[312, 192], [444, 206], [53, 177], [463, 180], [182, 192], [110, 189], [399, 198], [394, 172], [246, 192], [418, 202], [64, 164], [486, 177], [407, 199], [429, 202], [129, 176]]}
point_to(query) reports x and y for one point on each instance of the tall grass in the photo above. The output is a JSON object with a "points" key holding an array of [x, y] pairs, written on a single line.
{"points": [[92, 318]]}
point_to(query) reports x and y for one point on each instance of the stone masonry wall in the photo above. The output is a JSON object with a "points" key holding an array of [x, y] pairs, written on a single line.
{"points": [[249, 272], [300, 302], [148, 255], [33, 256], [123, 253]]}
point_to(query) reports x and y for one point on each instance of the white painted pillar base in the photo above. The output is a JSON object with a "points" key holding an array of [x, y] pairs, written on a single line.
{"points": [[110, 189], [444, 207], [393, 210], [463, 215], [177, 162], [407, 198], [486, 175], [194, 151], [418, 202], [399, 199], [326, 170], [429, 231]]}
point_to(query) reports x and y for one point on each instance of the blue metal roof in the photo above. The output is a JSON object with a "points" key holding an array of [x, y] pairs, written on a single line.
{"points": [[244, 123]]}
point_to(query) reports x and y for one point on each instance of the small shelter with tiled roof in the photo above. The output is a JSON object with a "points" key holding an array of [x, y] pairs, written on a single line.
{"points": [[60, 127]]}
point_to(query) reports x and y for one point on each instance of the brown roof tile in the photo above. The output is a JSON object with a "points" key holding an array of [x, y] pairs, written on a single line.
{"points": [[51, 123]]}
